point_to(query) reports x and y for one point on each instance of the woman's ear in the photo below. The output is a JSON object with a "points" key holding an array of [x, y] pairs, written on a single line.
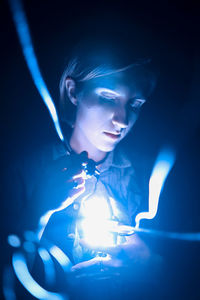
{"points": [[71, 90]]}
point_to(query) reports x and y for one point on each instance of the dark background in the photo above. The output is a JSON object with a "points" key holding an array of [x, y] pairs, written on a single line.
{"points": [[166, 31]]}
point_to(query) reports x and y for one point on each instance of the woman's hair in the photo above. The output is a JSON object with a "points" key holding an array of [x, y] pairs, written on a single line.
{"points": [[87, 66]]}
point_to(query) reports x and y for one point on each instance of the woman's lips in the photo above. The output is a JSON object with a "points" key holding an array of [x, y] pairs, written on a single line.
{"points": [[112, 135]]}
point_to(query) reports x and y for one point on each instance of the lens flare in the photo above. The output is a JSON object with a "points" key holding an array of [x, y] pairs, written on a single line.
{"points": [[61, 257], [14, 240], [163, 165], [48, 265], [26, 279]]}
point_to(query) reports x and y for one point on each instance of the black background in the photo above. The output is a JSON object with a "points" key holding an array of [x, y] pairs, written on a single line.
{"points": [[166, 31]]}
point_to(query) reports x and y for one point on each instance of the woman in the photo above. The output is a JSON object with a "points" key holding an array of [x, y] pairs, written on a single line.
{"points": [[101, 103]]}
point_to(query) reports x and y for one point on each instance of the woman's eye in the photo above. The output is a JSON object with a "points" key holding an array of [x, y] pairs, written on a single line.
{"points": [[107, 98]]}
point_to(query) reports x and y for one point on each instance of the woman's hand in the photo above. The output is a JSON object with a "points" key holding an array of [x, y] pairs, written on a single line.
{"points": [[62, 180], [119, 259], [99, 267]]}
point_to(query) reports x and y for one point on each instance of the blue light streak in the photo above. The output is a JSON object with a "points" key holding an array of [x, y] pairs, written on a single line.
{"points": [[61, 257], [24, 36], [163, 165], [184, 236], [44, 219], [48, 265], [24, 276], [127, 230]]}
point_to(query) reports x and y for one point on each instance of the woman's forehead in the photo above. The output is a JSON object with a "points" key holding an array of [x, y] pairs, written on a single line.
{"points": [[121, 83]]}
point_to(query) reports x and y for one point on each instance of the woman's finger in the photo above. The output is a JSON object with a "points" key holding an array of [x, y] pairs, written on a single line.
{"points": [[75, 193], [88, 265]]}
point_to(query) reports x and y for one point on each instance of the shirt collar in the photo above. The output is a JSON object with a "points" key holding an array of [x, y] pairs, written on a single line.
{"points": [[116, 158]]}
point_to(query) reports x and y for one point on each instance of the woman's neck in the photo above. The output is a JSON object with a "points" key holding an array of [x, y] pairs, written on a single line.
{"points": [[80, 143]]}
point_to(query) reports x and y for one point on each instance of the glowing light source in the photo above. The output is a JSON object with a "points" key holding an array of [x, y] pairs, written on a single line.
{"points": [[24, 276], [95, 224], [24, 36], [163, 165]]}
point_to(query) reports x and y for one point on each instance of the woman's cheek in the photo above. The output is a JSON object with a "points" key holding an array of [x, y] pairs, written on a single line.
{"points": [[133, 116], [131, 121]]}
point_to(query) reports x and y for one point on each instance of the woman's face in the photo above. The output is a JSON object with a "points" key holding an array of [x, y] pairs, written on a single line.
{"points": [[108, 107]]}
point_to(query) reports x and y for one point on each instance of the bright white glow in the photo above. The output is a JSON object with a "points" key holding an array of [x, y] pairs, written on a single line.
{"points": [[24, 276], [96, 208], [163, 165], [96, 233], [31, 60], [61, 257], [95, 227]]}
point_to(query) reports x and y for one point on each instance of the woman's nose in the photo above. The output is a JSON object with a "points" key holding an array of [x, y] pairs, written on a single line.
{"points": [[119, 118]]}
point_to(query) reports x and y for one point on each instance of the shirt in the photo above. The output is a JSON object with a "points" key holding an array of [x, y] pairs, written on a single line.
{"points": [[116, 183]]}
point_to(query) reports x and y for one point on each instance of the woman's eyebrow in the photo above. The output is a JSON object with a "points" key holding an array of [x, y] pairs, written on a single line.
{"points": [[106, 91]]}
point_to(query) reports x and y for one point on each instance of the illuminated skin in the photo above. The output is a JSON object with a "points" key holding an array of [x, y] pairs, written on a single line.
{"points": [[107, 109]]}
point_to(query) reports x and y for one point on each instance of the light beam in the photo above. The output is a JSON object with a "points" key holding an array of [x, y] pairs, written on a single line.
{"points": [[163, 165], [24, 36], [26, 279], [48, 265]]}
